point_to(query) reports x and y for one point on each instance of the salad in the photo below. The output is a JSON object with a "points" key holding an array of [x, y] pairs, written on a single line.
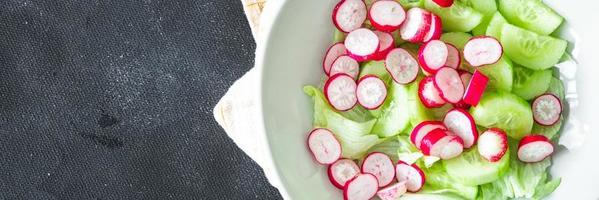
{"points": [[440, 99]]}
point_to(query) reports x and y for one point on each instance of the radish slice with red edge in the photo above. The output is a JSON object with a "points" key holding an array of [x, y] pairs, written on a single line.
{"points": [[386, 44], [461, 123], [448, 82], [345, 65], [392, 192], [442, 144], [334, 51], [433, 55], [402, 66], [362, 187], [546, 109], [416, 25], [465, 76], [534, 148], [429, 94], [492, 144], [422, 129], [342, 171], [362, 44], [381, 166], [476, 88], [371, 92], [349, 15], [324, 146], [483, 50], [444, 3], [411, 174], [435, 30], [340, 91], [454, 59], [386, 15]]}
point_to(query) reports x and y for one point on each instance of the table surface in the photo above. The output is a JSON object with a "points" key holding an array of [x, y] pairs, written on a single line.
{"points": [[113, 100]]}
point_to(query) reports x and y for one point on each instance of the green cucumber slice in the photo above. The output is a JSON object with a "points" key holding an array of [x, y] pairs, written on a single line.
{"points": [[418, 112], [495, 25], [500, 74], [458, 39], [533, 15], [393, 116], [407, 4], [458, 17], [505, 111], [529, 84], [338, 36], [472, 169], [376, 68], [487, 8], [530, 49]]}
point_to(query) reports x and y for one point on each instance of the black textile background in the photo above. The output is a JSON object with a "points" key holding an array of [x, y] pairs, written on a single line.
{"points": [[112, 99]]}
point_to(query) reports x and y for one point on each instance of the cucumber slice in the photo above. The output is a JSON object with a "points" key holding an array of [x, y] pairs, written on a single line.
{"points": [[529, 84], [530, 49], [495, 25], [472, 169], [487, 8], [556, 87], [338, 36], [458, 39], [407, 4], [500, 74], [376, 68], [393, 117], [481, 29], [418, 112], [533, 15], [505, 111], [458, 17]]}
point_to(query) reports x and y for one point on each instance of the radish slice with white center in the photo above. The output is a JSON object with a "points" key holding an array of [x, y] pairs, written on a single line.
{"points": [[465, 76], [483, 50], [444, 3], [534, 148], [340, 91], [386, 44], [429, 94], [476, 88], [324, 146], [442, 144], [362, 44], [345, 65], [433, 55], [423, 129], [492, 144], [336, 50], [435, 29], [546, 109], [402, 66], [411, 174], [386, 15], [454, 59], [371, 92], [392, 192], [349, 15], [461, 123], [342, 171], [362, 187], [449, 84], [381, 166], [416, 25]]}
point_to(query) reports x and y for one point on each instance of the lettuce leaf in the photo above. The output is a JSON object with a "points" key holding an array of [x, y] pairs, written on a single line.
{"points": [[439, 182]]}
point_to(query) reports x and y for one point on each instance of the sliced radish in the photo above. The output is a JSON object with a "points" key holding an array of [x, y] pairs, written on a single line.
{"points": [[411, 174], [340, 91], [402, 66], [461, 123], [546, 109], [362, 44], [342, 171], [336, 50], [324, 146], [386, 44], [465, 76], [416, 25], [392, 192], [454, 59], [448, 82], [381, 166], [444, 3], [433, 55], [371, 92], [345, 65], [423, 129], [492, 144], [386, 15], [482, 50], [442, 144], [534, 148], [362, 187], [435, 30], [429, 94], [476, 88], [349, 15]]}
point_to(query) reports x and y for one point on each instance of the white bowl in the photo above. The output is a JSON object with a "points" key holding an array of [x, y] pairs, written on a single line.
{"points": [[296, 34]]}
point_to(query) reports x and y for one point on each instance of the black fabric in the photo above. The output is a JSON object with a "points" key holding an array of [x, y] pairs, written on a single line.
{"points": [[105, 99]]}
